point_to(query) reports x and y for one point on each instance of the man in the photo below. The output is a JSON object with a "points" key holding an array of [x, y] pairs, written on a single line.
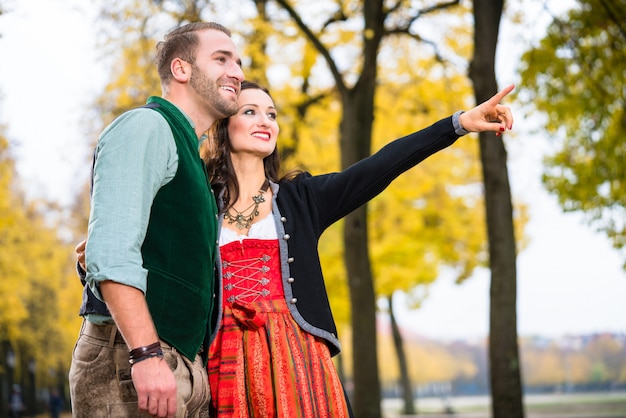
{"points": [[152, 233]]}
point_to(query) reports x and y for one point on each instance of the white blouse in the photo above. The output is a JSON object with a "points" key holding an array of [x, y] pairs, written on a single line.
{"points": [[263, 229]]}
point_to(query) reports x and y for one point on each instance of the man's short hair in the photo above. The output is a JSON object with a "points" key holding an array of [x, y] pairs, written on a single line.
{"points": [[182, 43]]}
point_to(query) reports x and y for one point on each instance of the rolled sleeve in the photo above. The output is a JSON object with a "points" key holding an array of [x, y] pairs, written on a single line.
{"points": [[135, 156]]}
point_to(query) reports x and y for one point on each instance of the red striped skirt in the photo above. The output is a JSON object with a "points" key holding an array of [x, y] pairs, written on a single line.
{"points": [[262, 364]]}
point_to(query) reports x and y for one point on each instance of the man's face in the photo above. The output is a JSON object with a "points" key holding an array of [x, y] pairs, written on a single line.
{"points": [[216, 76]]}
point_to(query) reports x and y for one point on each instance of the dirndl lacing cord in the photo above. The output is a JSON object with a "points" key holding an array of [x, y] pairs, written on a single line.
{"points": [[247, 278]]}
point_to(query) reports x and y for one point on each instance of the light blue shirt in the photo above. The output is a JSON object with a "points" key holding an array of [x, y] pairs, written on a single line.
{"points": [[135, 156]]}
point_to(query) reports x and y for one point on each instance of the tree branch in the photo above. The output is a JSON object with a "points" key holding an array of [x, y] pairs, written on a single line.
{"points": [[337, 76], [339, 16], [404, 28]]}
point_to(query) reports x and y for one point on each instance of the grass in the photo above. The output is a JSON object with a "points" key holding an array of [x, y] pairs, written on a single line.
{"points": [[588, 405], [582, 405]]}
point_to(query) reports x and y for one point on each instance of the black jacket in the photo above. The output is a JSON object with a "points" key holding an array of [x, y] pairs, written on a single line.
{"points": [[305, 206]]}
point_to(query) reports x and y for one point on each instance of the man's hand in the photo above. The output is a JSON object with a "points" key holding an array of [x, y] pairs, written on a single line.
{"points": [[80, 254], [156, 387], [490, 115]]}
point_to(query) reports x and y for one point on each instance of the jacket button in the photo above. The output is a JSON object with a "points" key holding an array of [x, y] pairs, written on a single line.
{"points": [[291, 280], [283, 219], [286, 237], [290, 260], [293, 301]]}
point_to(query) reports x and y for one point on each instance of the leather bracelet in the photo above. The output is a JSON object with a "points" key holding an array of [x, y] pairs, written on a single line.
{"points": [[134, 361], [143, 353]]}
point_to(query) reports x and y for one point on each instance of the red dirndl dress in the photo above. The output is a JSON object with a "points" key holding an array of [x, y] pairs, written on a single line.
{"points": [[261, 363]]}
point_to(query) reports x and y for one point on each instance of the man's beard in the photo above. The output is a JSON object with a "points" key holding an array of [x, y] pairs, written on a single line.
{"points": [[208, 90]]}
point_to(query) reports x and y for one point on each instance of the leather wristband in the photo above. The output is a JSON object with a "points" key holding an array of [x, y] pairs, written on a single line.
{"points": [[143, 353]]}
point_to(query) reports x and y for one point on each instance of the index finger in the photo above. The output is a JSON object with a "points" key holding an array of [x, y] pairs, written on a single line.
{"points": [[501, 94]]}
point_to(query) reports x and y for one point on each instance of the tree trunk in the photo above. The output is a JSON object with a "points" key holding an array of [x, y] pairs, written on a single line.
{"points": [[363, 310], [506, 387], [405, 381], [356, 133], [356, 140], [362, 297]]}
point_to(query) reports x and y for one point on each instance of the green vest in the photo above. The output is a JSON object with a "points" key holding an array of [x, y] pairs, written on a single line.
{"points": [[180, 246]]}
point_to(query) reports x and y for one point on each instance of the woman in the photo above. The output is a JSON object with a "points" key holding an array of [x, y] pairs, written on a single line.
{"points": [[271, 355]]}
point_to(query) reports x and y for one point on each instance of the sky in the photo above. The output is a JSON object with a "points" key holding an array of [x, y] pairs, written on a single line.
{"points": [[570, 280]]}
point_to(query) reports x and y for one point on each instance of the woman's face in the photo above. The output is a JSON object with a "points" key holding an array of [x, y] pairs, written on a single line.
{"points": [[253, 129]]}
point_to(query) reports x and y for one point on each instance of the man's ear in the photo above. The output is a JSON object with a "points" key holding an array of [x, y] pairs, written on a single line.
{"points": [[181, 70]]}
